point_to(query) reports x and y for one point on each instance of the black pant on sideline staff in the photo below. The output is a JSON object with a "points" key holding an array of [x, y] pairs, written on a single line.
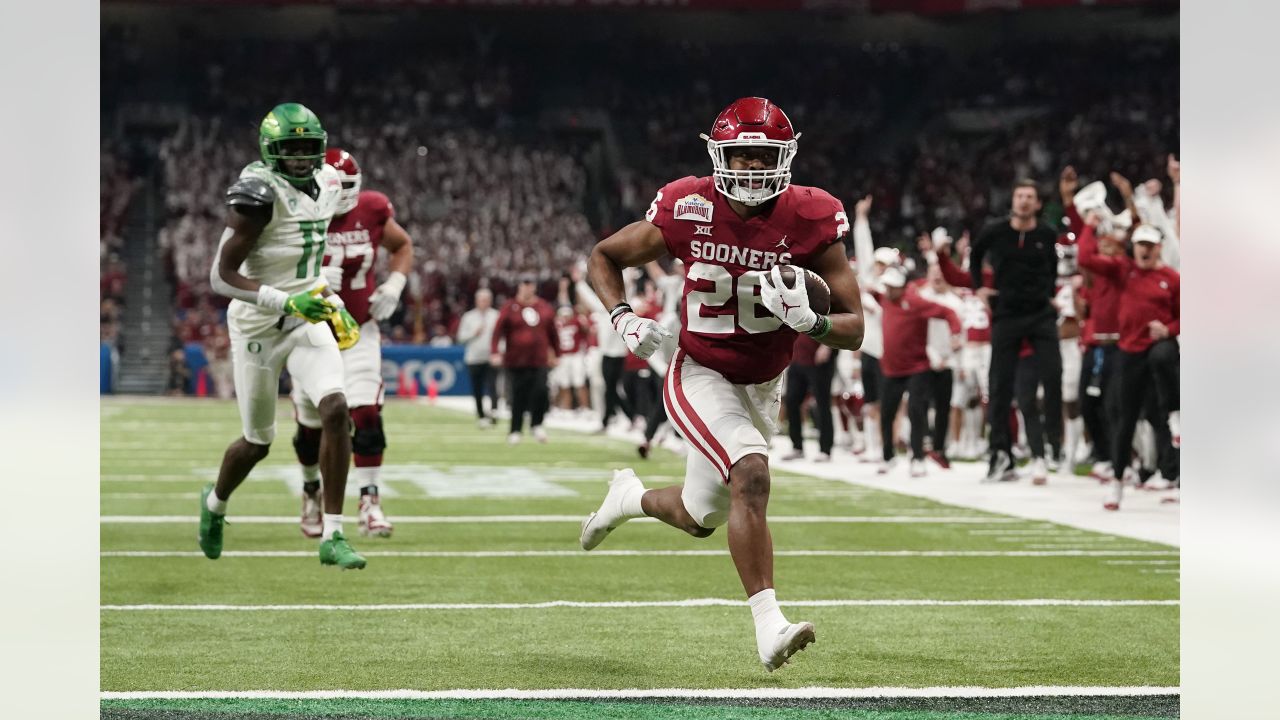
{"points": [[611, 368], [918, 389], [641, 388], [1098, 397], [1007, 334], [1026, 382], [482, 383], [528, 394], [1140, 374], [872, 379], [942, 382], [812, 380], [657, 415]]}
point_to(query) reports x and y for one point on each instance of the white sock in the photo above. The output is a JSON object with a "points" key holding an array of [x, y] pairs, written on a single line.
{"points": [[1071, 439], [311, 473], [366, 476], [216, 506], [631, 504], [768, 617], [332, 524]]}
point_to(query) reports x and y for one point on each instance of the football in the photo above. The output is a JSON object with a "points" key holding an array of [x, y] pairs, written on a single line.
{"points": [[817, 289]]}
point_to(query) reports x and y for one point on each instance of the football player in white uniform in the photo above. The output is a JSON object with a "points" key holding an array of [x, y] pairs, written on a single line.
{"points": [[364, 224], [268, 263]]}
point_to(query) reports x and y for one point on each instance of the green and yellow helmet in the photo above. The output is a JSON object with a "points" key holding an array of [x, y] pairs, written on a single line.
{"points": [[291, 131]]}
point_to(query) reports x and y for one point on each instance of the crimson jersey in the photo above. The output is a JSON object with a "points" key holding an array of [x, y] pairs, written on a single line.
{"points": [[572, 334], [353, 244], [726, 327]]}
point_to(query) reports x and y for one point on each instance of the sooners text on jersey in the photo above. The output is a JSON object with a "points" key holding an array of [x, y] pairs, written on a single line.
{"points": [[726, 328], [353, 243]]}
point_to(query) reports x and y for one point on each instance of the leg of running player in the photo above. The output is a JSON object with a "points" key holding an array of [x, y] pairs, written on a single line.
{"points": [[306, 445], [751, 546], [317, 366], [335, 451], [367, 445], [257, 363]]}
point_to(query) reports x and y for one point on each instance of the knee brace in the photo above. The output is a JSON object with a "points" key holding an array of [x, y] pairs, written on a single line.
{"points": [[368, 439], [306, 443]]}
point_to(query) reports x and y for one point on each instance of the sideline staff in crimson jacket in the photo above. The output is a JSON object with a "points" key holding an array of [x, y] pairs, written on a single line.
{"points": [[527, 324], [1024, 262]]}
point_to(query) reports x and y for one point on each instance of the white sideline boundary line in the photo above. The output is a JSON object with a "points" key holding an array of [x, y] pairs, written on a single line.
{"points": [[593, 694], [693, 602], [669, 553], [451, 519]]}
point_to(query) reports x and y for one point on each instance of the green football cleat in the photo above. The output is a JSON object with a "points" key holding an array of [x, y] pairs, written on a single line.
{"points": [[210, 536], [336, 551]]}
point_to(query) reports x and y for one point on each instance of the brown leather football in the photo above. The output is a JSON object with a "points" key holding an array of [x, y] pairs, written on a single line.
{"points": [[818, 291]]}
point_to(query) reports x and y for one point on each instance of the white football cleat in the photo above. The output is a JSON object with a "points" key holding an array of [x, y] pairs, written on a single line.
{"points": [[887, 466], [823, 458], [312, 521], [790, 640], [609, 516], [1114, 496], [540, 434], [1102, 472], [513, 438], [1039, 472], [793, 455], [372, 521], [918, 468]]}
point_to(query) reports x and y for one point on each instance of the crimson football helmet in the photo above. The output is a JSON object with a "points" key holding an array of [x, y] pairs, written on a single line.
{"points": [[349, 170], [752, 122]]}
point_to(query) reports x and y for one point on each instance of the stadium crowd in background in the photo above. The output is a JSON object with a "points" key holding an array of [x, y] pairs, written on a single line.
{"points": [[932, 143]]}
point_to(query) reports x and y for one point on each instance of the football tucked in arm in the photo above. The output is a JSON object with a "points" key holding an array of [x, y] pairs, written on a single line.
{"points": [[816, 288]]}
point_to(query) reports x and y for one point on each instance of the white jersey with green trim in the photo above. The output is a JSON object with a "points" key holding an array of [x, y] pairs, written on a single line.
{"points": [[290, 251]]}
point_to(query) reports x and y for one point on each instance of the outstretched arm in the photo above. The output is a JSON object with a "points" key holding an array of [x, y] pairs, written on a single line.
{"points": [[632, 246]]}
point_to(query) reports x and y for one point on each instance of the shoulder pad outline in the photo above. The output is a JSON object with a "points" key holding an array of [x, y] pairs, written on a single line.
{"points": [[251, 192]]}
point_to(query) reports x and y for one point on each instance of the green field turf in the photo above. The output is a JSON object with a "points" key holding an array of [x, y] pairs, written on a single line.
{"points": [[836, 542]]}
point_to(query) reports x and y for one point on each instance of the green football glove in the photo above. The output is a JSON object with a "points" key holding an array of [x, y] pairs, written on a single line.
{"points": [[345, 328], [309, 305]]}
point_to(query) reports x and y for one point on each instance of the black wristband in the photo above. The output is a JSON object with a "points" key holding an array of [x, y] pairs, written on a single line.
{"points": [[623, 307], [820, 328]]}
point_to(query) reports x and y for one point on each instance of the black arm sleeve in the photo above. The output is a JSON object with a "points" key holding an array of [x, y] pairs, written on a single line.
{"points": [[252, 196], [976, 253]]}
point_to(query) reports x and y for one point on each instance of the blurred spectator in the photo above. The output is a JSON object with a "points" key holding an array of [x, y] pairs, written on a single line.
{"points": [[475, 332]]}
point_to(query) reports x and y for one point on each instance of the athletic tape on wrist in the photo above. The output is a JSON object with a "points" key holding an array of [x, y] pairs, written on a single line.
{"points": [[820, 328], [620, 309]]}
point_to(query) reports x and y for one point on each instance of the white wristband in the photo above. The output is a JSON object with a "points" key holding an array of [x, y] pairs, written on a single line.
{"points": [[395, 283], [271, 298]]}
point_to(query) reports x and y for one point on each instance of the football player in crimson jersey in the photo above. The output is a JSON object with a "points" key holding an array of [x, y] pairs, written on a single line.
{"points": [[365, 221], [732, 231]]}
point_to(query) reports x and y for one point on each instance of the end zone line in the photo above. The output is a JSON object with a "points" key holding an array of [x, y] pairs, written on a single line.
{"points": [[594, 694], [413, 519], [667, 553], [692, 602]]}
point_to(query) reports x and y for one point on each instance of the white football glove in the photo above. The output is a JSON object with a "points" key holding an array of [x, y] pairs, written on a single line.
{"points": [[642, 335], [332, 275], [387, 297], [789, 304]]}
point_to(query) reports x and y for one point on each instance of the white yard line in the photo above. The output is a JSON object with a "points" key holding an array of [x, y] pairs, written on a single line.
{"points": [[594, 694], [627, 604], [418, 519], [664, 553]]}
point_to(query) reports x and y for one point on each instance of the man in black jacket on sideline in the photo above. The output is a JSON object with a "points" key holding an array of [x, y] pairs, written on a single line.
{"points": [[1022, 256]]}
